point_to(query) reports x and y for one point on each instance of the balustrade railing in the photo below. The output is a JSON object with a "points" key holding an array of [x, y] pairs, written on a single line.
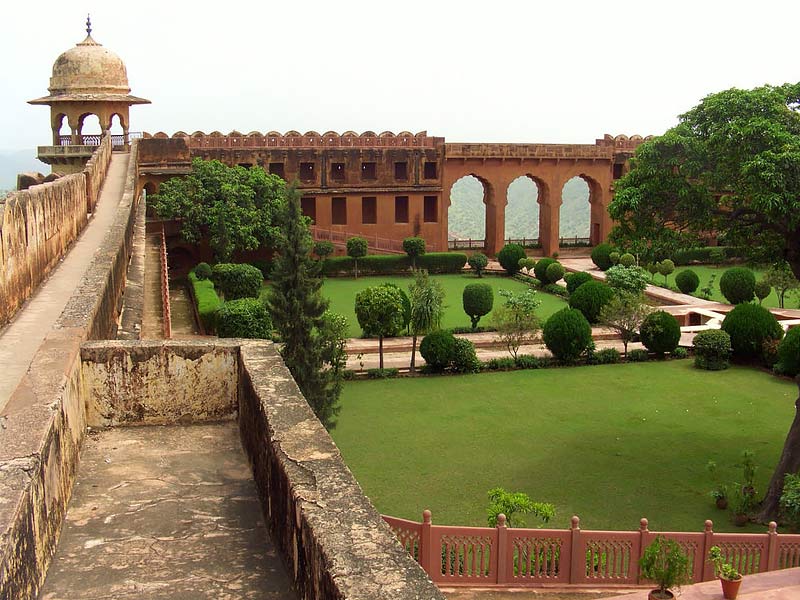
{"points": [[93, 139], [373, 241], [525, 557], [466, 244]]}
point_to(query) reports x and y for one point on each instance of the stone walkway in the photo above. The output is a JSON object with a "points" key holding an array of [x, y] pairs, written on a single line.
{"points": [[152, 318], [20, 339], [165, 512]]}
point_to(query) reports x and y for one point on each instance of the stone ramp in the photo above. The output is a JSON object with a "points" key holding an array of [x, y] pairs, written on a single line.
{"points": [[165, 512], [152, 318], [21, 338]]}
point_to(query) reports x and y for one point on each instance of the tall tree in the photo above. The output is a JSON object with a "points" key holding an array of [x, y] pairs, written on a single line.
{"points": [[297, 308], [625, 313], [427, 308], [379, 310]]}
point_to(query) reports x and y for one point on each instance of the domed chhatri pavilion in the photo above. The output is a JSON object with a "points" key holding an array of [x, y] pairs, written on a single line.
{"points": [[87, 80]]}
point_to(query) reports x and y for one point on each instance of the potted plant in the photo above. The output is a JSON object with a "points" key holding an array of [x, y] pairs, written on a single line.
{"points": [[720, 491], [666, 564], [742, 504], [730, 578]]}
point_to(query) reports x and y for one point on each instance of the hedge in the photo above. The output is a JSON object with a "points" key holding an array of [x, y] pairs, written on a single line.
{"points": [[244, 318], [704, 254], [237, 280], [387, 264], [206, 299], [442, 262], [750, 325]]}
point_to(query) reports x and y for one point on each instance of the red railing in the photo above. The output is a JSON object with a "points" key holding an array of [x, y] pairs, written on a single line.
{"points": [[165, 302], [526, 557], [373, 241]]}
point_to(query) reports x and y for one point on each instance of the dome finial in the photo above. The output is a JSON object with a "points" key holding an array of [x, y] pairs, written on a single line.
{"points": [[88, 25]]}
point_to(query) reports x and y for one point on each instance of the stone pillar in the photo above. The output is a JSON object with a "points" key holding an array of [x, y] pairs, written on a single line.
{"points": [[447, 184], [496, 198], [549, 217]]}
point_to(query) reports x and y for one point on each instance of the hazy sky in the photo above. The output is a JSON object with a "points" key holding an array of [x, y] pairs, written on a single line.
{"points": [[555, 71]]}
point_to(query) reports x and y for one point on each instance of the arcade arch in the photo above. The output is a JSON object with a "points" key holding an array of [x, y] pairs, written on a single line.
{"points": [[522, 208], [576, 208], [466, 217]]}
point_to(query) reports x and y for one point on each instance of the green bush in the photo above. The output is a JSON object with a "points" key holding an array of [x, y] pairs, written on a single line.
{"points": [[336, 265], [464, 359], [555, 290], [357, 247], [373, 264], [590, 298], [707, 254], [607, 356], [660, 332], [478, 300], [601, 256], [627, 260], [712, 350], [382, 373], [567, 334], [500, 364], [323, 249], [478, 262], [738, 285], [527, 263], [575, 280], [680, 352], [442, 262], [527, 361], [237, 280], [437, 349], [406, 302], [540, 270], [638, 355], [614, 257], [203, 271], [414, 247], [243, 318], [554, 273], [750, 326], [509, 256], [789, 353], [790, 500], [687, 281], [633, 279], [207, 300]]}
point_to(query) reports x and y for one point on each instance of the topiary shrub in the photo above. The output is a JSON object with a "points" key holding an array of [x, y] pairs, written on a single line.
{"points": [[590, 298], [607, 356], [749, 326], [633, 280], [680, 352], [627, 260], [789, 353], [738, 285], [638, 355], [540, 270], [509, 256], [323, 249], [665, 267], [203, 271], [660, 332], [712, 350], [243, 318], [236, 280], [687, 281], [437, 349], [414, 247], [406, 303], [478, 300], [478, 262], [575, 280], [614, 257], [762, 290], [601, 256], [207, 301], [464, 359], [554, 273], [567, 334]]}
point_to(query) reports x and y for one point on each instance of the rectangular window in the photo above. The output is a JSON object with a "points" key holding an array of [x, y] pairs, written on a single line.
{"points": [[277, 169], [431, 212], [618, 170], [369, 210], [401, 209], [401, 171], [337, 171], [369, 171], [308, 205], [430, 170], [307, 171], [339, 211]]}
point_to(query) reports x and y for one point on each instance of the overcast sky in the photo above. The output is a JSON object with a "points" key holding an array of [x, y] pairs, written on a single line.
{"points": [[515, 71]]}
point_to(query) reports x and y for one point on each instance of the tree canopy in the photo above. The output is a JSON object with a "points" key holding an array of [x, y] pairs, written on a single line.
{"points": [[235, 208], [732, 165]]}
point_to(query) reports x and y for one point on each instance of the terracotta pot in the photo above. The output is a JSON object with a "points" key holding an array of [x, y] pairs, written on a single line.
{"points": [[722, 503], [730, 588], [657, 595], [740, 520]]}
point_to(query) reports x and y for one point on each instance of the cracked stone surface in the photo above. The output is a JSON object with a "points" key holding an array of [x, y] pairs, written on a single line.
{"points": [[165, 512]]}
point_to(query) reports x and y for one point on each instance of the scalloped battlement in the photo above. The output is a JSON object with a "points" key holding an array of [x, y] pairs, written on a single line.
{"points": [[310, 139]]}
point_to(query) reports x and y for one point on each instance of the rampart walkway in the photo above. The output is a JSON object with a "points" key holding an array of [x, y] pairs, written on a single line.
{"points": [[20, 339]]}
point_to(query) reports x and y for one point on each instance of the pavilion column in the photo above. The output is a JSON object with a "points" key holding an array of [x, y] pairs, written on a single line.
{"points": [[549, 216], [448, 180], [496, 198]]}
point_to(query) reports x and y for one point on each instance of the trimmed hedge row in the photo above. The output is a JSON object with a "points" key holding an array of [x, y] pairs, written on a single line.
{"points": [[207, 300], [385, 264], [705, 254]]}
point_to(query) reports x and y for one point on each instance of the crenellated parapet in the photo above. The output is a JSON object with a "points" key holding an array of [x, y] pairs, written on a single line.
{"points": [[310, 139], [621, 142]]}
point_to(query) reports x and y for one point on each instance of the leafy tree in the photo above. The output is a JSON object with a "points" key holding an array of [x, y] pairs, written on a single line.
{"points": [[406, 304], [780, 277], [297, 309], [478, 262], [427, 308], [379, 310], [323, 249], [762, 290], [512, 504], [625, 313], [478, 300], [665, 267], [356, 248], [516, 320], [331, 340], [414, 247], [632, 279], [732, 165], [235, 208]]}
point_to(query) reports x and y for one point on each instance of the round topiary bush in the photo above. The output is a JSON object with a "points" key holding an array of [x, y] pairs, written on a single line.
{"points": [[323, 248], [749, 326], [554, 272], [633, 279], [687, 281], [601, 256], [762, 290], [567, 334], [590, 298], [236, 280], [614, 257], [464, 359], [738, 285], [509, 256], [437, 349], [414, 247], [575, 280], [540, 270], [789, 353], [478, 262], [243, 318], [712, 350], [477, 300], [203, 270], [627, 260], [660, 332], [406, 302]]}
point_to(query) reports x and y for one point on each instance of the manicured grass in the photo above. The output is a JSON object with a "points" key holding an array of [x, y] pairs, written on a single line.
{"points": [[342, 292], [609, 443]]}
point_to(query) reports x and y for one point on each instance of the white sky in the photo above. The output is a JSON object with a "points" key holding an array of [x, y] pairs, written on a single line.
{"points": [[515, 71]]}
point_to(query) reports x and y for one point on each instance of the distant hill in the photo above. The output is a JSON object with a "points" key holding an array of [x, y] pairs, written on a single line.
{"points": [[467, 214], [13, 162]]}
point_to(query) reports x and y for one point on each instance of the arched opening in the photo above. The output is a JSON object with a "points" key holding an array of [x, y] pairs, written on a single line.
{"points": [[575, 213], [466, 217], [90, 130], [117, 130], [522, 211], [62, 134], [149, 189]]}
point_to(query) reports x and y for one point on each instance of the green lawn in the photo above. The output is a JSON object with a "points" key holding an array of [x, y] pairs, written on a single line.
{"points": [[342, 292], [609, 443]]}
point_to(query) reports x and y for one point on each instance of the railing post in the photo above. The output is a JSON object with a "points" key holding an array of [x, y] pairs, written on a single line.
{"points": [[708, 541], [643, 534], [425, 543], [577, 567], [502, 550], [772, 547]]}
